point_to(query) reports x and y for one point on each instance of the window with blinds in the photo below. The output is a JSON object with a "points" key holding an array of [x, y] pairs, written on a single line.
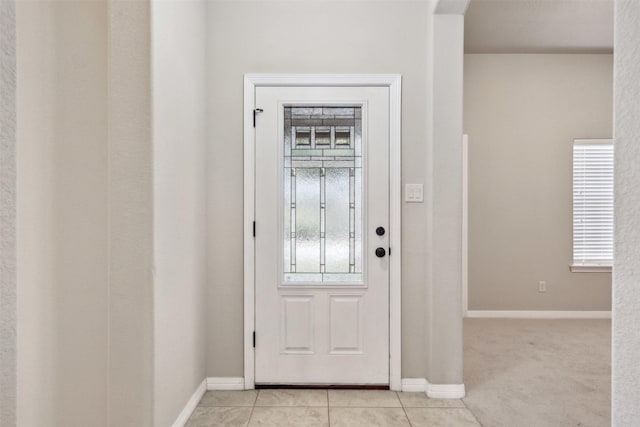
{"points": [[593, 202]]}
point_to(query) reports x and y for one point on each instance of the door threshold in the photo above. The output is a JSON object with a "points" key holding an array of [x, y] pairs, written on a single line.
{"points": [[324, 386]]}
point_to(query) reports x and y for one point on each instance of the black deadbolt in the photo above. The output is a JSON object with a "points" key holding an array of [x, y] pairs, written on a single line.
{"points": [[380, 231], [380, 252]]}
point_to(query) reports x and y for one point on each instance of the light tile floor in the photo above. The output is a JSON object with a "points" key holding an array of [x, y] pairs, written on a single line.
{"points": [[324, 408]]}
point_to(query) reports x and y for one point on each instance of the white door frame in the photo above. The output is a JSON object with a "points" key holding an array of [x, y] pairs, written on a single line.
{"points": [[393, 82]]}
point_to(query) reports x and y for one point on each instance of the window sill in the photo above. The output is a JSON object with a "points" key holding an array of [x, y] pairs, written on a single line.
{"points": [[586, 268]]}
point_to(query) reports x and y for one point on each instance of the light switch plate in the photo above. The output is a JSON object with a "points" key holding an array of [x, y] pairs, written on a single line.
{"points": [[413, 193]]}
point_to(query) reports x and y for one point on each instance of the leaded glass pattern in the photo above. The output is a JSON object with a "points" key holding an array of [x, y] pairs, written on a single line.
{"points": [[322, 230]]}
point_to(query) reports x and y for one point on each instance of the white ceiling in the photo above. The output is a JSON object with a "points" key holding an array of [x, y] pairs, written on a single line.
{"points": [[539, 26]]}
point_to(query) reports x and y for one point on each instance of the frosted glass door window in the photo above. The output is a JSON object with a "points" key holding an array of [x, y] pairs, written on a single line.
{"points": [[322, 224]]}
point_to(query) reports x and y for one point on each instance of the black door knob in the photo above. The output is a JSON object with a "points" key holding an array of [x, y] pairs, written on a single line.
{"points": [[380, 252], [380, 231]]}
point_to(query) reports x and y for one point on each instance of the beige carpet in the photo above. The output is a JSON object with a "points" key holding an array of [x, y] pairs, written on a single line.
{"points": [[538, 373]]}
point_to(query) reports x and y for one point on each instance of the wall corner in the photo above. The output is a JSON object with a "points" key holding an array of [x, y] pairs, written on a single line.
{"points": [[8, 256]]}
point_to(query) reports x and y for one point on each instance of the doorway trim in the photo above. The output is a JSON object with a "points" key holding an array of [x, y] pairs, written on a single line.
{"points": [[393, 82]]}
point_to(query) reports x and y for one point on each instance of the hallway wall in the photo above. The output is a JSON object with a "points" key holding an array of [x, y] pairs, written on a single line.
{"points": [[626, 301], [130, 193], [93, 208], [180, 203], [8, 256], [342, 37], [62, 207]]}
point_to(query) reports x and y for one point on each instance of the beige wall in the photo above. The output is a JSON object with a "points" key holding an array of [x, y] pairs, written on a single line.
{"points": [[343, 37], [62, 205], [131, 281], [8, 249], [88, 301], [522, 113], [180, 222], [85, 319], [444, 179], [626, 308], [35, 210]]}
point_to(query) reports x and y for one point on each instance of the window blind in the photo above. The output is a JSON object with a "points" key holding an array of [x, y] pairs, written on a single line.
{"points": [[593, 202]]}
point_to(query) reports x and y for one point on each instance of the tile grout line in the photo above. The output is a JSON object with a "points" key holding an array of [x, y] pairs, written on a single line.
{"points": [[252, 408], [328, 410], [472, 413], [474, 416], [404, 409]]}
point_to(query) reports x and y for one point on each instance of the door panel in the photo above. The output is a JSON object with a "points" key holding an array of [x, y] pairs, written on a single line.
{"points": [[297, 319], [346, 324], [322, 189]]}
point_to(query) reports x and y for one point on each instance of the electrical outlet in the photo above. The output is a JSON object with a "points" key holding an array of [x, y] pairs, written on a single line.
{"points": [[542, 286]]}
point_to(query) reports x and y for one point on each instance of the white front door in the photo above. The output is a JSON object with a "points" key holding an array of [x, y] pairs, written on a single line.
{"points": [[322, 235]]}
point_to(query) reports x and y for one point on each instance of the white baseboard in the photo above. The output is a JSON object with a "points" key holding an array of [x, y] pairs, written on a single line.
{"points": [[225, 383], [434, 391], [538, 314], [446, 391], [414, 385], [191, 405]]}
